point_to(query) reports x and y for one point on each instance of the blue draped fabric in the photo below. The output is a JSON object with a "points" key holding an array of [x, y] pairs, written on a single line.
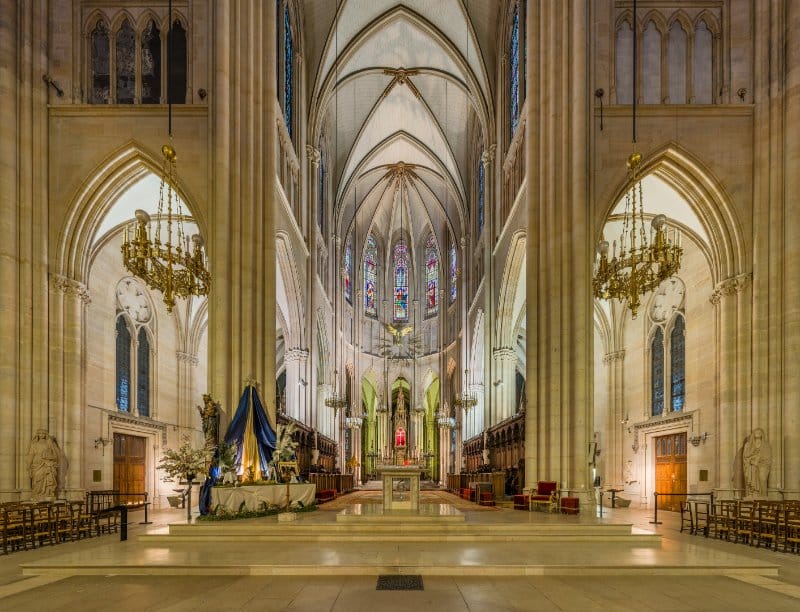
{"points": [[205, 490], [265, 434]]}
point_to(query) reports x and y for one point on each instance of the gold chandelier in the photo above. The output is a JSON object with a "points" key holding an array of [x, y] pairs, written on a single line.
{"points": [[173, 267], [466, 399], [640, 265], [177, 269]]}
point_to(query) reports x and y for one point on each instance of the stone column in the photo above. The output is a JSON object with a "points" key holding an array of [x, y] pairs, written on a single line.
{"points": [[791, 256], [558, 254], [186, 412], [67, 406], [505, 372], [242, 242], [295, 359], [732, 297], [613, 451], [312, 183], [491, 409]]}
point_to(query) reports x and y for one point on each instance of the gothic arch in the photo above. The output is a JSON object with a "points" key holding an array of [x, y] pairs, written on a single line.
{"points": [[96, 196], [294, 317], [707, 198], [509, 286]]}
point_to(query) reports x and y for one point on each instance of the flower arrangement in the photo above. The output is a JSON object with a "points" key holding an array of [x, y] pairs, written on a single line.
{"points": [[186, 461]]}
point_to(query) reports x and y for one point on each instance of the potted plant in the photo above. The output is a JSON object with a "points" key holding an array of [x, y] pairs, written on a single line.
{"points": [[186, 462]]}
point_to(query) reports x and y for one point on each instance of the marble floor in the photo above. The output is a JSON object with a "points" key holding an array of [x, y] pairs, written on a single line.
{"points": [[679, 572]]}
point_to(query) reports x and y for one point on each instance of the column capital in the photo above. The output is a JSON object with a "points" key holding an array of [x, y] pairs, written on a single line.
{"points": [[614, 356], [296, 354], [730, 286], [504, 353], [187, 358], [313, 155], [487, 157], [70, 287]]}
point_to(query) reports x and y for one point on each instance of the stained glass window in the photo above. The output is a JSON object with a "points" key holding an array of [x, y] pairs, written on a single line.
{"points": [[452, 273], [288, 54], [514, 93], [431, 277], [370, 275], [126, 63], [123, 365], [348, 271], [101, 81], [480, 193], [677, 357], [401, 282], [176, 79], [151, 64], [143, 374], [657, 372]]}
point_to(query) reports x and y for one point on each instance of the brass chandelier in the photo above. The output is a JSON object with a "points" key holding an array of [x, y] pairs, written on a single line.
{"points": [[466, 399], [641, 264], [175, 267]]}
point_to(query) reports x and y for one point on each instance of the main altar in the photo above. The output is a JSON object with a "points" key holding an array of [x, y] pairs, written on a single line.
{"points": [[400, 486]]}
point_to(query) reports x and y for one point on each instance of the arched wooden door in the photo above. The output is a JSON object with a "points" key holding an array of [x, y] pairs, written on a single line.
{"points": [[671, 470]]}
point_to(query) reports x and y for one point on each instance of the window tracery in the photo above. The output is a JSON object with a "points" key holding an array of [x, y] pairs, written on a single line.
{"points": [[348, 271], [370, 275], [657, 372], [401, 282], [453, 270], [431, 277]]}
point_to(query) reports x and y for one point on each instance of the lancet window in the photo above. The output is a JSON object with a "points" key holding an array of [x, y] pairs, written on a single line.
{"points": [[401, 282], [453, 268], [370, 276], [431, 277], [348, 271], [123, 341], [668, 366], [480, 193], [677, 354], [657, 372], [288, 70], [135, 72], [514, 70], [134, 348], [143, 373]]}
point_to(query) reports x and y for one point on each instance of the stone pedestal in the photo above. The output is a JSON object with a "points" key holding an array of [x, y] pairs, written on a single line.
{"points": [[400, 487]]}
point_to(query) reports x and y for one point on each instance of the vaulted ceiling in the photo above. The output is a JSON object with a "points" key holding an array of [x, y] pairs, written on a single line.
{"points": [[397, 92]]}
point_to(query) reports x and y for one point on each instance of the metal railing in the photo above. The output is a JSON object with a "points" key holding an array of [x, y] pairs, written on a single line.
{"points": [[656, 494]]}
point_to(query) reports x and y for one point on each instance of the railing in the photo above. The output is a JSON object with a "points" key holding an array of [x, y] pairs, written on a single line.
{"points": [[655, 520], [342, 483]]}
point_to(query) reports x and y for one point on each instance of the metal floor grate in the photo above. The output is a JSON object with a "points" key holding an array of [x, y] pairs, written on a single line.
{"points": [[399, 583]]}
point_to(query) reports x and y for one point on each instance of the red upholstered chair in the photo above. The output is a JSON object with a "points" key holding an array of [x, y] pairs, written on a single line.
{"points": [[522, 502], [570, 505], [546, 495]]}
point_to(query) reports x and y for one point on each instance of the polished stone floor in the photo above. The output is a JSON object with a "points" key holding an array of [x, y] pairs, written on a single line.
{"points": [[768, 580]]}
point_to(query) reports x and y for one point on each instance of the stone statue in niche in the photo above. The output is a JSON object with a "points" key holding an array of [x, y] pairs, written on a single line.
{"points": [[756, 462], [43, 465]]}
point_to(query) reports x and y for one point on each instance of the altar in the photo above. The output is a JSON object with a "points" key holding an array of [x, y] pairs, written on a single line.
{"points": [[400, 486], [254, 496]]}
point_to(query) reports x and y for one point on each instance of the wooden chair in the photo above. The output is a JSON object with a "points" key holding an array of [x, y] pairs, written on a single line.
{"points": [[41, 524], [84, 522], [723, 518], [744, 522], [14, 527], [766, 523], [686, 518], [546, 496], [791, 529], [702, 512]]}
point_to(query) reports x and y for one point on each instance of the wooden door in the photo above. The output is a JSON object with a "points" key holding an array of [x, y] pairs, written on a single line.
{"points": [[671, 470], [129, 466]]}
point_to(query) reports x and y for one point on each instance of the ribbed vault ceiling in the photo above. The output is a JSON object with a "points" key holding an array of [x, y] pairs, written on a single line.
{"points": [[397, 91]]}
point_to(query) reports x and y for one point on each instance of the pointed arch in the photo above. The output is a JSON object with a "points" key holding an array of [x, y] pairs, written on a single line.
{"points": [[294, 316], [509, 287]]}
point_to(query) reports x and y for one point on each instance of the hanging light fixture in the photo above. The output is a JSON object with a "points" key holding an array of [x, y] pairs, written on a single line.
{"points": [[175, 267], [641, 264], [466, 399]]}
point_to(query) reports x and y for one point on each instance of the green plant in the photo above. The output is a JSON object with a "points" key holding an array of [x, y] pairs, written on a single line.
{"points": [[185, 461]]}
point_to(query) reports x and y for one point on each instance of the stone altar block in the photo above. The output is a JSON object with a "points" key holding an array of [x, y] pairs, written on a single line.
{"points": [[400, 486]]}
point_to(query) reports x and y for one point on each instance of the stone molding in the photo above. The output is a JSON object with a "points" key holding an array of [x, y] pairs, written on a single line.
{"points": [[614, 356], [487, 157], [504, 353], [296, 354], [129, 419], [187, 358], [313, 155], [672, 418], [730, 286], [70, 287]]}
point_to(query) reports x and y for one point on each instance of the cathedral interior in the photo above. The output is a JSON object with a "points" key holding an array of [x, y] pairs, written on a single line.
{"points": [[392, 219]]}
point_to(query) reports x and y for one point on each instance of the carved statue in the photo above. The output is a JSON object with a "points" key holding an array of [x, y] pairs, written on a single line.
{"points": [[756, 462], [43, 465], [209, 414], [401, 400]]}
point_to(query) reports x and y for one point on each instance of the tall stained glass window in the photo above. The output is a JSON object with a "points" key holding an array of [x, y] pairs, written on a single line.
{"points": [[101, 65], [370, 276], [452, 273], [151, 64], [431, 277], [401, 282], [514, 92], [123, 365], [480, 193], [348, 271], [126, 71], [657, 372], [143, 374], [288, 70], [677, 355]]}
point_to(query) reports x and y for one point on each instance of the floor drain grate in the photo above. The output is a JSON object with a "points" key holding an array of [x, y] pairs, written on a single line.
{"points": [[399, 583]]}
